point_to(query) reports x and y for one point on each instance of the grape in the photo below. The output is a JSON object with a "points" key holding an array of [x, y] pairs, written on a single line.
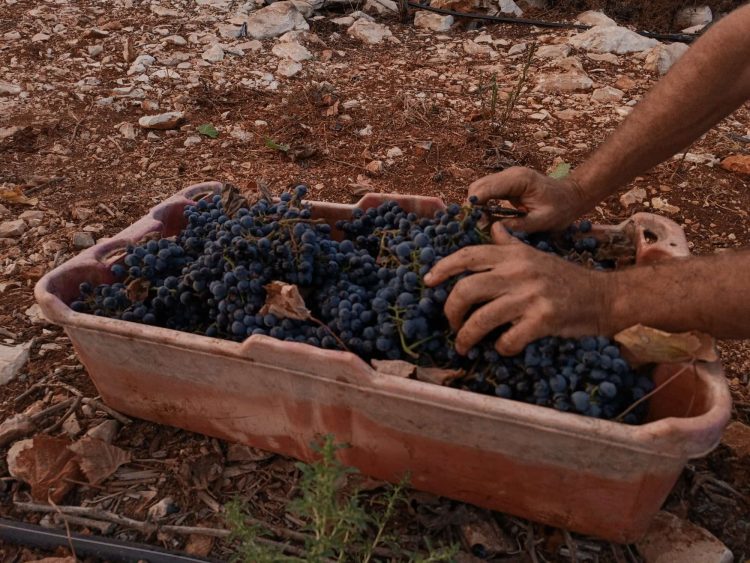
{"points": [[365, 292]]}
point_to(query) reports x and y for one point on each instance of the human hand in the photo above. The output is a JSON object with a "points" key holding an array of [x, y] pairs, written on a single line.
{"points": [[539, 294], [551, 204]]}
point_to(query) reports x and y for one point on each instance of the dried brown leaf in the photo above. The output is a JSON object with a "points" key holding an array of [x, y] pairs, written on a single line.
{"points": [[47, 466], [198, 545], [333, 110], [285, 302], [137, 290], [438, 376], [649, 345], [98, 459], [232, 200], [302, 152], [240, 452], [14, 194], [397, 368]]}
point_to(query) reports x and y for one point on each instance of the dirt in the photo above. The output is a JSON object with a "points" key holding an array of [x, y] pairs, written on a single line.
{"points": [[69, 154]]}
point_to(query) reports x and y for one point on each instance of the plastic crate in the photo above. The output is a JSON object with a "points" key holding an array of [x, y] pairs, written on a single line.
{"points": [[587, 475]]}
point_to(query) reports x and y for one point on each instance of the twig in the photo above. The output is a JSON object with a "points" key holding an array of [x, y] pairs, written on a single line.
{"points": [[96, 513], [38, 385], [122, 419], [105, 528], [345, 163], [67, 527], [56, 426], [38, 187], [530, 542], [654, 391], [679, 164], [51, 410], [571, 546], [188, 530]]}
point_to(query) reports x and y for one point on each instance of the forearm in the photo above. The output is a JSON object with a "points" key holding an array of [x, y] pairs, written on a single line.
{"points": [[710, 81], [707, 293]]}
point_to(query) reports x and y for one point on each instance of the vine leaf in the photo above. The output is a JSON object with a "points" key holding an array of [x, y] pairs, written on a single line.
{"points": [[438, 376], [232, 200], [648, 345], [285, 302], [396, 368], [137, 290], [560, 171]]}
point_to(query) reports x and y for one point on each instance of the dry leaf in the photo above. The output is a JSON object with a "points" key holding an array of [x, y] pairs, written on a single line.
{"points": [[397, 368], [232, 200], [240, 452], [198, 545], [649, 345], [333, 110], [15, 195], [128, 53], [47, 466], [302, 152], [438, 376], [200, 473], [98, 459], [284, 301], [137, 290]]}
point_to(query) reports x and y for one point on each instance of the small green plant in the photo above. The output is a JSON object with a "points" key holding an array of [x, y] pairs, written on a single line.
{"points": [[281, 147], [208, 130], [338, 526], [510, 105]]}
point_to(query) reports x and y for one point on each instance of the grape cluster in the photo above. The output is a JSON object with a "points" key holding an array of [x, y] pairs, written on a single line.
{"points": [[365, 292]]}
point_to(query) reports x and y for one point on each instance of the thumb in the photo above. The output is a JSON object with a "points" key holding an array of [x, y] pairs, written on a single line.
{"points": [[500, 234]]}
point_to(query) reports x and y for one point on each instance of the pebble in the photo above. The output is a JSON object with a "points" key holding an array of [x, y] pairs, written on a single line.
{"points": [[192, 140], [517, 49], [661, 58], [12, 229], [673, 540], [82, 240], [375, 168], [9, 89], [176, 40], [33, 217], [288, 68], [291, 50], [169, 120], [213, 54], [574, 81], [607, 94], [612, 39], [625, 83], [275, 20], [39, 37], [432, 21], [394, 152], [370, 33], [12, 359], [552, 51]]}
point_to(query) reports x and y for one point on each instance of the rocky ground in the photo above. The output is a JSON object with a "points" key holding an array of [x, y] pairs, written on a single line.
{"points": [[106, 108]]}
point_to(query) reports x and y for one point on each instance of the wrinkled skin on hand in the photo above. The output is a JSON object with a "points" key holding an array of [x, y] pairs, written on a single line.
{"points": [[539, 294], [551, 204]]}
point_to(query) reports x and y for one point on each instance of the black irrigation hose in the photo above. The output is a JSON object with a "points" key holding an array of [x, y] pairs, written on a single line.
{"points": [[20, 533], [680, 37]]}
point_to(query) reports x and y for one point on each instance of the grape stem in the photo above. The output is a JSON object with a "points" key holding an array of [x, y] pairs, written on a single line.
{"points": [[678, 373], [331, 332]]}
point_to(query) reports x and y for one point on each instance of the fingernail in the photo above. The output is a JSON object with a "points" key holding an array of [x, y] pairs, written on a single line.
{"points": [[428, 277]]}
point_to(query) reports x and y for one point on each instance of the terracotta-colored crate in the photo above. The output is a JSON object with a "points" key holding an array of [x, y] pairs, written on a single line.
{"points": [[587, 475]]}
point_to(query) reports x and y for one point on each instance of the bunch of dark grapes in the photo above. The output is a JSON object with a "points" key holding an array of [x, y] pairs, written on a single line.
{"points": [[365, 292]]}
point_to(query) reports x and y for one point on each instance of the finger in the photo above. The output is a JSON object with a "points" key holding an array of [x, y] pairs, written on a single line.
{"points": [[469, 259], [468, 292], [504, 309], [517, 337], [501, 236], [510, 183]]}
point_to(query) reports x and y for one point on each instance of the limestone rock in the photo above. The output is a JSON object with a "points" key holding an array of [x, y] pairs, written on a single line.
{"points": [[737, 163], [473, 48], [565, 82], [82, 240], [169, 120], [288, 68], [12, 229], [432, 21], [553, 51], [291, 50], [517, 49], [661, 58], [381, 7], [213, 54], [612, 39], [369, 32], [140, 64], [9, 89], [275, 20], [607, 94], [625, 83], [673, 540], [594, 18], [690, 17], [12, 359], [509, 7]]}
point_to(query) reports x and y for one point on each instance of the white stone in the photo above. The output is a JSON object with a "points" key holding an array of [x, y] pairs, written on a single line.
{"points": [[345, 21], [604, 58], [432, 21], [291, 50], [39, 37], [12, 359], [12, 36], [213, 54], [178, 40], [394, 152], [192, 140], [609, 39], [509, 7], [381, 7], [517, 49], [607, 94], [168, 120], [474, 48], [553, 51], [127, 130], [12, 229], [164, 12], [369, 32], [9, 89], [140, 64], [593, 18], [275, 20], [673, 540], [689, 17], [636, 195], [33, 217], [288, 68], [95, 50], [692, 30], [661, 58], [574, 81]]}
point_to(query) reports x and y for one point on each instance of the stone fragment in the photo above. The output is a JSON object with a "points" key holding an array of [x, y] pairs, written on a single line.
{"points": [[673, 540], [106, 431], [604, 58], [288, 68], [567, 114], [39, 37], [9, 89], [83, 240], [127, 130], [661, 58], [12, 229], [192, 140], [213, 54], [35, 315], [636, 195], [432, 21], [12, 359], [625, 83], [381, 7], [612, 39], [140, 64], [178, 40], [474, 48], [690, 17], [565, 82], [594, 18], [33, 217], [394, 152], [169, 120], [291, 50], [369, 32], [95, 50], [517, 49], [275, 20], [164, 12], [737, 163], [162, 508], [509, 7], [553, 51], [375, 168], [607, 94], [663, 205]]}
